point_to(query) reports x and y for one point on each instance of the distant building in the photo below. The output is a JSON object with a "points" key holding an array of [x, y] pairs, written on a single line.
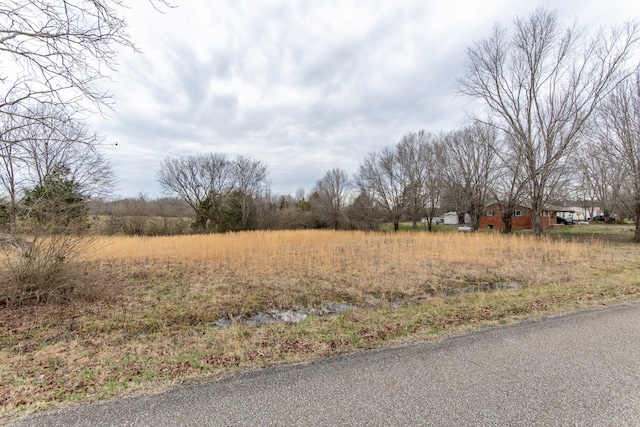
{"points": [[450, 218], [520, 219]]}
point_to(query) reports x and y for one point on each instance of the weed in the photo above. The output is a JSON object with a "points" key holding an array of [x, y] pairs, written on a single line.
{"points": [[145, 325]]}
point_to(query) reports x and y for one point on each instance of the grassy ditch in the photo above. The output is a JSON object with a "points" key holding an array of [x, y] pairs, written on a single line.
{"points": [[141, 321]]}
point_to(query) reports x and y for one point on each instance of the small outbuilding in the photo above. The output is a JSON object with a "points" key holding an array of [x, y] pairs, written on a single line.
{"points": [[450, 218]]}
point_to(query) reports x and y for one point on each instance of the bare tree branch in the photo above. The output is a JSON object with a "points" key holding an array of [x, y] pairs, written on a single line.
{"points": [[541, 85]]}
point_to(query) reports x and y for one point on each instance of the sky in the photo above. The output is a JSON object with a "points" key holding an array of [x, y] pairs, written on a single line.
{"points": [[303, 86]]}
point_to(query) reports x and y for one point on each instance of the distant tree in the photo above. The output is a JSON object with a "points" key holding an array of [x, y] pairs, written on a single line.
{"points": [[199, 180], [230, 215], [413, 154], [284, 212], [619, 135], [363, 213], [300, 194], [331, 197], [541, 85], [435, 160], [130, 216], [250, 181], [471, 166], [600, 176], [383, 179], [213, 186], [509, 185]]}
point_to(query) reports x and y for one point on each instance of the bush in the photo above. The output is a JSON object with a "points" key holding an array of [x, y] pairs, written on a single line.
{"points": [[39, 260], [40, 269]]}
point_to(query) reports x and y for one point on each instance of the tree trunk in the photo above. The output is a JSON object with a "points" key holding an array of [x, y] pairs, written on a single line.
{"points": [[13, 216], [202, 220], [396, 225], [536, 222], [636, 236], [507, 217], [508, 223], [476, 216]]}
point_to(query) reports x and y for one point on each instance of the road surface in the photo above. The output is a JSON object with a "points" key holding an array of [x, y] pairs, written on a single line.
{"points": [[581, 368]]}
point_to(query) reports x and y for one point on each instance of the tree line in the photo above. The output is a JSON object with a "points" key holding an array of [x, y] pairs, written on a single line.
{"points": [[559, 120]]}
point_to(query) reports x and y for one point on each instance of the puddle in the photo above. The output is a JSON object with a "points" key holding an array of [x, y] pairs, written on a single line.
{"points": [[289, 316], [482, 287], [334, 308]]}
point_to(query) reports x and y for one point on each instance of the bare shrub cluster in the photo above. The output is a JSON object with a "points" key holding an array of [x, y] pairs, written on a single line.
{"points": [[41, 267]]}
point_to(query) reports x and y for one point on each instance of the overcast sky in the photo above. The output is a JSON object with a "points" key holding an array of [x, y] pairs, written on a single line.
{"points": [[304, 86]]}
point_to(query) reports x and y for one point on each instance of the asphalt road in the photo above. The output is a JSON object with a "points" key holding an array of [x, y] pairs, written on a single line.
{"points": [[578, 369]]}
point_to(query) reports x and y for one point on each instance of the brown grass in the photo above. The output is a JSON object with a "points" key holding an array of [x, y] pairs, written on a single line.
{"points": [[366, 262], [139, 320]]}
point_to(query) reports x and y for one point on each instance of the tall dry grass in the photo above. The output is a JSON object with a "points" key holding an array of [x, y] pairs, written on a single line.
{"points": [[350, 265], [266, 248], [146, 319]]}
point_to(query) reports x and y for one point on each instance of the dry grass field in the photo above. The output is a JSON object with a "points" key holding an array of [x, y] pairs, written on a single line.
{"points": [[139, 319]]}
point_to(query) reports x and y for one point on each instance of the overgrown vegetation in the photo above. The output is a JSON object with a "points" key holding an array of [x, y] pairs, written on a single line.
{"points": [[44, 241], [140, 314], [83, 317]]}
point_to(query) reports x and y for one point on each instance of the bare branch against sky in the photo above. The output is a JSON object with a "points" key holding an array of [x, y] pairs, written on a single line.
{"points": [[304, 87]]}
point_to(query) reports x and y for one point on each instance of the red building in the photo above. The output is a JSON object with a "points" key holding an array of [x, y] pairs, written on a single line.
{"points": [[520, 219]]}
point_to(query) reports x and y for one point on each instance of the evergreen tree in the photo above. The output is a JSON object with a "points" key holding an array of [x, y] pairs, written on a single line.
{"points": [[56, 201]]}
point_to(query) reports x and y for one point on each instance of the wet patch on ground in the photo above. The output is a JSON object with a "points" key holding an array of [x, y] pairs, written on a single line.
{"points": [[290, 316], [333, 308]]}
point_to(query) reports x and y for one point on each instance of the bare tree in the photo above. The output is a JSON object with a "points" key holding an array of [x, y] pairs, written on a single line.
{"points": [[35, 148], [221, 192], [53, 54], [73, 144], [330, 198], [412, 153], [382, 178], [363, 213], [10, 154], [625, 202], [541, 85], [619, 134], [471, 166], [600, 176], [509, 185], [197, 179], [58, 51], [434, 158], [250, 178]]}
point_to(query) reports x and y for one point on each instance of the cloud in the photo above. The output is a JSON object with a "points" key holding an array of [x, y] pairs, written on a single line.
{"points": [[303, 86]]}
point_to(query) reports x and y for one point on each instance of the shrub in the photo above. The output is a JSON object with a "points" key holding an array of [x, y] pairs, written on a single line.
{"points": [[41, 268]]}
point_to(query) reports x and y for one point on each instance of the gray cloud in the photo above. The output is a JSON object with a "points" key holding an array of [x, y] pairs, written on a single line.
{"points": [[302, 86]]}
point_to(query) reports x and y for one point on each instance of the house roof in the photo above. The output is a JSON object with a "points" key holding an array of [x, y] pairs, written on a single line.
{"points": [[554, 208], [527, 205]]}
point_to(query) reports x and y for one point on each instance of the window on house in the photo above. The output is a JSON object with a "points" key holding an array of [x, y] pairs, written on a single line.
{"points": [[517, 213], [489, 212]]}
